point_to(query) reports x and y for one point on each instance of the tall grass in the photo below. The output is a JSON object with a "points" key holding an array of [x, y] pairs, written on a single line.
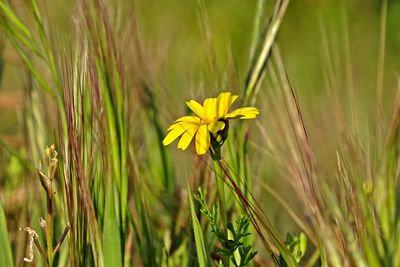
{"points": [[129, 201]]}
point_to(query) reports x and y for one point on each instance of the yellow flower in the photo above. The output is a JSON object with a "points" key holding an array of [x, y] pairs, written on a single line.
{"points": [[212, 118]]}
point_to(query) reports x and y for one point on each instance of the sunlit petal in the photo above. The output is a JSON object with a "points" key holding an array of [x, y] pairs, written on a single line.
{"points": [[173, 126], [187, 137], [178, 124], [210, 108], [243, 113], [185, 121], [176, 131], [202, 140], [192, 119], [216, 126], [224, 102], [196, 108]]}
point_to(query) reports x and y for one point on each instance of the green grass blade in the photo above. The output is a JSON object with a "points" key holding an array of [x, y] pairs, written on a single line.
{"points": [[198, 235], [154, 115], [5, 255], [6, 10], [28, 43], [259, 62], [17, 28], [112, 251]]}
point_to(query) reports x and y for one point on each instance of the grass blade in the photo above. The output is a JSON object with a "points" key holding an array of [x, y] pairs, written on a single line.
{"points": [[198, 235], [5, 255], [112, 251], [16, 21], [258, 63]]}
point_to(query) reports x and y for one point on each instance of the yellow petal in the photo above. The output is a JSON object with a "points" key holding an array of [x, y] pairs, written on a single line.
{"points": [[210, 108], [202, 140], [216, 126], [196, 108], [224, 102], [187, 137], [192, 119], [174, 125], [176, 131], [184, 121], [243, 113]]}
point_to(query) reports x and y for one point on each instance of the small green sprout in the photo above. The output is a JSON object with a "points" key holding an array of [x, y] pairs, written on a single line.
{"points": [[236, 243], [297, 246]]}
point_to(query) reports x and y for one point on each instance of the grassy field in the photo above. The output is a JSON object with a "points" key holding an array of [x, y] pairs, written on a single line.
{"points": [[289, 157]]}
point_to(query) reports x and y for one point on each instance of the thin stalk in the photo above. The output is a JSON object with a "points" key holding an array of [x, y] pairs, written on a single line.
{"points": [[41, 251], [221, 197], [63, 236], [258, 63], [313, 259], [49, 222], [381, 64]]}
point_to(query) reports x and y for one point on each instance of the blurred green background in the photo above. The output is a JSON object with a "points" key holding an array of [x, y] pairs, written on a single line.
{"points": [[316, 37], [176, 49]]}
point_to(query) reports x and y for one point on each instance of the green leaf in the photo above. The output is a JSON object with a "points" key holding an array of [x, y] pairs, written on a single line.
{"points": [[112, 252], [17, 28], [198, 235], [5, 255], [6, 10], [303, 243]]}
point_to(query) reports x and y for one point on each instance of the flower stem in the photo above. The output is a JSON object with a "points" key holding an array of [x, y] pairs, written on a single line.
{"points": [[221, 197]]}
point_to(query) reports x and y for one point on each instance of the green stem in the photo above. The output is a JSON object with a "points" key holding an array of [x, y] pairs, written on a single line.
{"points": [[49, 230], [41, 251], [49, 223], [221, 197]]}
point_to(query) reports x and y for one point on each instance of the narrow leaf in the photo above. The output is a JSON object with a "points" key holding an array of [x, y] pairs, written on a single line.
{"points": [[5, 255], [198, 235], [6, 10], [112, 252]]}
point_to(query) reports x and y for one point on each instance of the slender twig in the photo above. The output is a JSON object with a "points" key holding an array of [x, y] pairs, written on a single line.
{"points": [[64, 234], [41, 251], [43, 180], [49, 227]]}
